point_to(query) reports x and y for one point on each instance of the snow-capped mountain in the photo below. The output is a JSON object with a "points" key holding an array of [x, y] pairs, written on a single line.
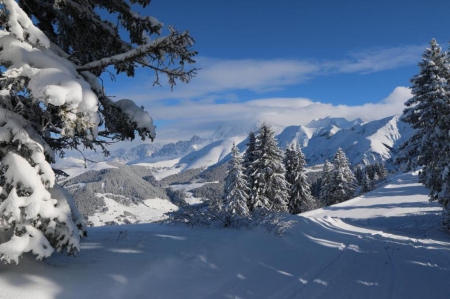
{"points": [[211, 154], [173, 150], [231, 130], [318, 127], [338, 122], [362, 143], [320, 140], [138, 152]]}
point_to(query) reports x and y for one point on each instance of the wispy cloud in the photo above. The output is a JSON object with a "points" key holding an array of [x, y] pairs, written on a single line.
{"points": [[375, 60], [222, 78]]}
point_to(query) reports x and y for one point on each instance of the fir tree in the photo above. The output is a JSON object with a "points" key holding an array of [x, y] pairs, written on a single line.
{"points": [[299, 193], [250, 157], [343, 182], [325, 190], [236, 190], [359, 174], [51, 100], [270, 189], [428, 112], [370, 171], [381, 170], [366, 183]]}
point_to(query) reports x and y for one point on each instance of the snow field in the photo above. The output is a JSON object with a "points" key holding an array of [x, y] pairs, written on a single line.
{"points": [[150, 210], [386, 244]]}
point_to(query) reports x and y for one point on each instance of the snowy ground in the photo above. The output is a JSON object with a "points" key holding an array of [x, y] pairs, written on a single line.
{"points": [[149, 210], [190, 199], [386, 244]]}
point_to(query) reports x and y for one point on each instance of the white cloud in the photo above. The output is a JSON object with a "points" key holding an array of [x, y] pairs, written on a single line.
{"points": [[203, 118], [196, 110], [375, 60], [227, 76]]}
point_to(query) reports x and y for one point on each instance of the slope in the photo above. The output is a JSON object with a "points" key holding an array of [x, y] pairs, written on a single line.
{"points": [[386, 244], [369, 142]]}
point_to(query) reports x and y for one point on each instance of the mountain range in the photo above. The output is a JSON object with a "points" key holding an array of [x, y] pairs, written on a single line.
{"points": [[363, 142]]}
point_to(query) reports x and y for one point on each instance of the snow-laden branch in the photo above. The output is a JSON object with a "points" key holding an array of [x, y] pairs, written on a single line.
{"points": [[174, 45], [20, 25]]}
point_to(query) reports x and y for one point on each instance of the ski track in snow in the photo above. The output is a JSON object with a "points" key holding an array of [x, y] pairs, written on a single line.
{"points": [[385, 244]]}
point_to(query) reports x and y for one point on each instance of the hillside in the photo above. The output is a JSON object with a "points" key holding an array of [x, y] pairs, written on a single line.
{"points": [[386, 244]]}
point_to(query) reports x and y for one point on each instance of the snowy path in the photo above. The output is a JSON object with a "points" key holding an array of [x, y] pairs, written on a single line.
{"points": [[383, 245]]}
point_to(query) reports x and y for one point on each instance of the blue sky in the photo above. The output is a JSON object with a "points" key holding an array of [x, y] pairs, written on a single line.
{"points": [[289, 61]]}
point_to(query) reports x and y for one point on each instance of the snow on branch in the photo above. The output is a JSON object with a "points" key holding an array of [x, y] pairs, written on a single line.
{"points": [[20, 25], [174, 45]]}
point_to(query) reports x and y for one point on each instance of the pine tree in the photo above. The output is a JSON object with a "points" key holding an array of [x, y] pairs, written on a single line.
{"points": [[51, 100], [250, 157], [370, 171], [428, 112], [325, 190], [366, 183], [380, 170], [236, 190], [299, 193], [270, 189], [359, 174], [343, 182]]}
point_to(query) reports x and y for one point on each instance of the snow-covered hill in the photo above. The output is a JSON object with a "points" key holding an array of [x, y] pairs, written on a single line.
{"points": [[369, 142], [386, 244], [210, 154]]}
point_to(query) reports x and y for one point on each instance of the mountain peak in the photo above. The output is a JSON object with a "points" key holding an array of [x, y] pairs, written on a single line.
{"points": [[328, 121], [230, 130]]}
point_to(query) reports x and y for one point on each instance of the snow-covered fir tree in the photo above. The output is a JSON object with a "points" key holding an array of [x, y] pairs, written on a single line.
{"points": [[327, 172], [51, 100], [299, 194], [428, 112], [250, 157], [380, 170], [270, 189], [236, 189], [342, 184], [366, 185], [359, 174]]}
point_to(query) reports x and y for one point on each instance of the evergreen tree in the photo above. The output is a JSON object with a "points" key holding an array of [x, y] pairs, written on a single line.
{"points": [[51, 100], [250, 157], [370, 171], [381, 170], [428, 112], [299, 193], [236, 190], [359, 174], [366, 184], [325, 188], [343, 182], [316, 187], [270, 189]]}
